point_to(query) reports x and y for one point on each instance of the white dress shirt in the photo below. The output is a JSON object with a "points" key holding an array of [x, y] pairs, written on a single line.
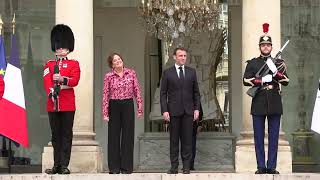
{"points": [[178, 70]]}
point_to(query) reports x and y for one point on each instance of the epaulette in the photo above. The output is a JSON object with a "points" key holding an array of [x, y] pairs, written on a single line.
{"points": [[250, 60], [50, 60], [73, 60]]}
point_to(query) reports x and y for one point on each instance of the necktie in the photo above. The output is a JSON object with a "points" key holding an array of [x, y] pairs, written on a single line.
{"points": [[181, 76]]}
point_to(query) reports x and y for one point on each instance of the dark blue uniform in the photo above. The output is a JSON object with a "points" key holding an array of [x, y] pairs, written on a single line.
{"points": [[266, 103]]}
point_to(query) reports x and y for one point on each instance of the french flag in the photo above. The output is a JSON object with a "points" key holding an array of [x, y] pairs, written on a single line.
{"points": [[13, 116], [315, 123]]}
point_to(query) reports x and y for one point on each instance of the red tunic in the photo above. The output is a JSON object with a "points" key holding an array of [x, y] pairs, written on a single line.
{"points": [[1, 87], [70, 70]]}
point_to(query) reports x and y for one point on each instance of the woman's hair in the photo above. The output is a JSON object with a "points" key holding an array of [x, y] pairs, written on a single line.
{"points": [[110, 58]]}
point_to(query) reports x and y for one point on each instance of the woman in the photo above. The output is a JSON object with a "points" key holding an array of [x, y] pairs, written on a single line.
{"points": [[120, 87]]}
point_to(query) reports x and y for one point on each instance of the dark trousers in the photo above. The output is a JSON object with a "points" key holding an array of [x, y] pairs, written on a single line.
{"points": [[194, 143], [121, 130], [273, 137], [181, 130], [61, 124]]}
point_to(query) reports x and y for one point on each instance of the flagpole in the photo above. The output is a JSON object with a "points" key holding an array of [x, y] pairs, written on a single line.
{"points": [[1, 23], [14, 23]]}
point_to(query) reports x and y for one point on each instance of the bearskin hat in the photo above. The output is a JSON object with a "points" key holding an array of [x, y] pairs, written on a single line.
{"points": [[62, 37]]}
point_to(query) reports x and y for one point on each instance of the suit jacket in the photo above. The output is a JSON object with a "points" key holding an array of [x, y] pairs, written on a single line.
{"points": [[178, 97]]}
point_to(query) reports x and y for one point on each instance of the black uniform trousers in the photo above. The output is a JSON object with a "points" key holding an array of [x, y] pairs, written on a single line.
{"points": [[181, 129], [273, 137], [61, 124], [121, 135]]}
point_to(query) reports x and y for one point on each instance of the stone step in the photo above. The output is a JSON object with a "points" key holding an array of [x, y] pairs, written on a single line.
{"points": [[163, 176], [21, 169]]}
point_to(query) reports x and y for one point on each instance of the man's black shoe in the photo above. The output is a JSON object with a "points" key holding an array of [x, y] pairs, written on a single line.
{"points": [[126, 172], [172, 171], [53, 170], [260, 171], [64, 170], [192, 169], [114, 172], [272, 171], [186, 171]]}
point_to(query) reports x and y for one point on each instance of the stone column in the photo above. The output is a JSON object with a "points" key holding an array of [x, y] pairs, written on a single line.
{"points": [[254, 14], [86, 156]]}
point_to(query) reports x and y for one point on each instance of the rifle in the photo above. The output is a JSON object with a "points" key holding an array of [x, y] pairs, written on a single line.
{"points": [[264, 70], [56, 88]]}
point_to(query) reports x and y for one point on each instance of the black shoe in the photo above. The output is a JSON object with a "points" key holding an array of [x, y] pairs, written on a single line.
{"points": [[172, 171], [126, 172], [64, 170], [191, 169], [186, 171], [53, 170], [272, 171], [114, 172], [260, 171]]}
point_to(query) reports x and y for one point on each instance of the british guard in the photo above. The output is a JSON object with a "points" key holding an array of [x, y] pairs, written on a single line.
{"points": [[60, 77]]}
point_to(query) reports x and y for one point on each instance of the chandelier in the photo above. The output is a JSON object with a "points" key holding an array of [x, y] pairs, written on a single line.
{"points": [[170, 19]]}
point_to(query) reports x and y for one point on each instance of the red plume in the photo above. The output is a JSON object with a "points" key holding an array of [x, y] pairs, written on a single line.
{"points": [[265, 27]]}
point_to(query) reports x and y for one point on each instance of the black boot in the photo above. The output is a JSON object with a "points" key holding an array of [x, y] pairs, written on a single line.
{"points": [[114, 172], [64, 170], [53, 170], [260, 171], [272, 171], [172, 171]]}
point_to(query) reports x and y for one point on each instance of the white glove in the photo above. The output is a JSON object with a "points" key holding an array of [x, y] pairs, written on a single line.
{"points": [[267, 78], [51, 94], [271, 65]]}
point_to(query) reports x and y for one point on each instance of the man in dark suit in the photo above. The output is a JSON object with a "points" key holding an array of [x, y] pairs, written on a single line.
{"points": [[180, 105]]}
